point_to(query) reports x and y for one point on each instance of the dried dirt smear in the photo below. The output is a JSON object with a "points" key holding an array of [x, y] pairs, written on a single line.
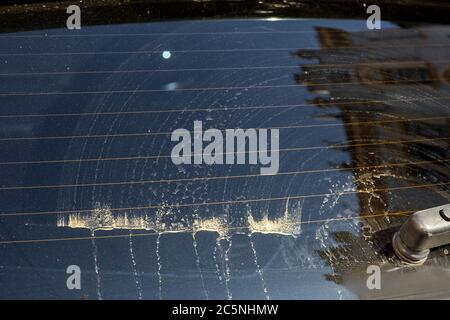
{"points": [[167, 221]]}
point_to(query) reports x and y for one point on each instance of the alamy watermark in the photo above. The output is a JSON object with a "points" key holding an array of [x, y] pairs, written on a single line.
{"points": [[230, 146], [74, 280], [74, 20], [374, 278], [374, 20]]}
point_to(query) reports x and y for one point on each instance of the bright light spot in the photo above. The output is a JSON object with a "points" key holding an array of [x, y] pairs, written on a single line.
{"points": [[166, 54], [273, 19], [171, 86]]}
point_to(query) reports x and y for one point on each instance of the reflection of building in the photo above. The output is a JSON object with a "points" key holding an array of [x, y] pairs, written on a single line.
{"points": [[392, 75], [389, 86], [378, 61]]}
